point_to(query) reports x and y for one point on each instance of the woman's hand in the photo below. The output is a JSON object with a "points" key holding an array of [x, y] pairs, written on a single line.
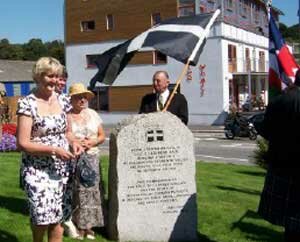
{"points": [[88, 143], [77, 148], [63, 154]]}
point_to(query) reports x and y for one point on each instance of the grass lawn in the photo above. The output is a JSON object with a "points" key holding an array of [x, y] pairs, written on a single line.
{"points": [[227, 200]]}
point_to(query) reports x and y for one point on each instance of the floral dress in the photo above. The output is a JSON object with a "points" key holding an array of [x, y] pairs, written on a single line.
{"points": [[46, 178], [88, 202]]}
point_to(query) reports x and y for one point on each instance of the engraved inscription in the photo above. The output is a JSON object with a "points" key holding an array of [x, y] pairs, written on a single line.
{"points": [[164, 191]]}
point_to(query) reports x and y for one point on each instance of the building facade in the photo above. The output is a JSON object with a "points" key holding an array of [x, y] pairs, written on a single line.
{"points": [[232, 68], [16, 77]]}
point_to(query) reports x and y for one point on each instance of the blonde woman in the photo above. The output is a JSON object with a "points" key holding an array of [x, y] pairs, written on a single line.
{"points": [[46, 159], [87, 129]]}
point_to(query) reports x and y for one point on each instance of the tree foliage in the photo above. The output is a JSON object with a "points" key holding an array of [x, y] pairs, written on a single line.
{"points": [[32, 50], [291, 34]]}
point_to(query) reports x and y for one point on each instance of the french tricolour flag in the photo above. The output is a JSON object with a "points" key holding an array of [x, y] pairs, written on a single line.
{"points": [[282, 63]]}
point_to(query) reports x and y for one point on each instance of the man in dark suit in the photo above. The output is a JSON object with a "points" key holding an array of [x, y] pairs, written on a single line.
{"points": [[156, 101]]}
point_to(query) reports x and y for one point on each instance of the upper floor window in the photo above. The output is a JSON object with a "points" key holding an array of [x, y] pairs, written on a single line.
{"points": [[231, 53], [265, 20], [186, 8], [155, 18], [109, 22], [91, 61], [256, 13], [232, 62], [229, 4], [87, 25], [243, 8]]}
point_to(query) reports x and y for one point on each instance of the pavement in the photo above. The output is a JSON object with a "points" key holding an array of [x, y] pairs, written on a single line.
{"points": [[213, 129]]}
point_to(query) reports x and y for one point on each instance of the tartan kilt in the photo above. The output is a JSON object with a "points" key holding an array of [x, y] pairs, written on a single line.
{"points": [[280, 200]]}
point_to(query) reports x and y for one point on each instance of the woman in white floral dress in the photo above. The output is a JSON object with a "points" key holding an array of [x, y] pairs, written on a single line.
{"points": [[47, 162]]}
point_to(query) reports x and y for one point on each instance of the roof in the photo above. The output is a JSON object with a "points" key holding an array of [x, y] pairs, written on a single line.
{"points": [[15, 70], [275, 9]]}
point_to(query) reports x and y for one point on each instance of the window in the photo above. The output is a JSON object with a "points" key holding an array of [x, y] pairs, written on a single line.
{"points": [[232, 64], [261, 61], [109, 22], [229, 4], [155, 18], [101, 101], [247, 59], [186, 8], [91, 61], [265, 20], [256, 14], [87, 25], [231, 52], [202, 9], [159, 58], [243, 8]]}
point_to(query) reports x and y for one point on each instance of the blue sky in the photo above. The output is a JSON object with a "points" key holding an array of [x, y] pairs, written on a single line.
{"points": [[290, 8], [23, 20]]}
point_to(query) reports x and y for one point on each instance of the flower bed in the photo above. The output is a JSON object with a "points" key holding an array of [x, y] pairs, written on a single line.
{"points": [[8, 142], [9, 128]]}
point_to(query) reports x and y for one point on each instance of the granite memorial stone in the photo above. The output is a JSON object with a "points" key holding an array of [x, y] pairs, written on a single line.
{"points": [[152, 190]]}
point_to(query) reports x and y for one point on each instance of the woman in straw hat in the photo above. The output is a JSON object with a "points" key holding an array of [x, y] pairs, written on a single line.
{"points": [[47, 162], [87, 129]]}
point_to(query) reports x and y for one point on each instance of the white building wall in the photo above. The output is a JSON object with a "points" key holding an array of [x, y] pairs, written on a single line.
{"points": [[207, 109], [131, 75]]}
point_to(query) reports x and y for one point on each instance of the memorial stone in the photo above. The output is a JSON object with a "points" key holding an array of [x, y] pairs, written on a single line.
{"points": [[152, 190]]}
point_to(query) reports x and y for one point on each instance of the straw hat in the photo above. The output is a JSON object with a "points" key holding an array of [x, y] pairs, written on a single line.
{"points": [[79, 88]]}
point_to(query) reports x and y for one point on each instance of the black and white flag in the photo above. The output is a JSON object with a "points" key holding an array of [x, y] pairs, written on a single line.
{"points": [[181, 38]]}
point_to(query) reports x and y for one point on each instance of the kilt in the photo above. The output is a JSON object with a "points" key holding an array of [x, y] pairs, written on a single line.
{"points": [[280, 200]]}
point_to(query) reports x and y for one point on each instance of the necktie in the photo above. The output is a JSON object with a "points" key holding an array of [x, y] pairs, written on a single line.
{"points": [[160, 103]]}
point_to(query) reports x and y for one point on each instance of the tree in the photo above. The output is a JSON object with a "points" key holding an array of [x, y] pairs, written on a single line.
{"points": [[291, 34], [34, 49], [56, 49], [4, 49], [17, 52]]}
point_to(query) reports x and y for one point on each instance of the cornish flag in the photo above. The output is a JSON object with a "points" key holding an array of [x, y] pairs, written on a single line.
{"points": [[181, 38], [282, 63]]}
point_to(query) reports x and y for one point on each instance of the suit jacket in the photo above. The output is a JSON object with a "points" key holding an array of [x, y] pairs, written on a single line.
{"points": [[281, 128], [178, 105]]}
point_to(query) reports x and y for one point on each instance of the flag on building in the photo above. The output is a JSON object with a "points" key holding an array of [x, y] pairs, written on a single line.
{"points": [[181, 38], [282, 63]]}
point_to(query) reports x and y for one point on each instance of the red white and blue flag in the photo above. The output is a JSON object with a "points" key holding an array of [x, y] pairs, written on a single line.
{"points": [[282, 63]]}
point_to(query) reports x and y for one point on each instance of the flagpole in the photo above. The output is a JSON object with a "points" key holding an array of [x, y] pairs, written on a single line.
{"points": [[184, 71], [191, 58]]}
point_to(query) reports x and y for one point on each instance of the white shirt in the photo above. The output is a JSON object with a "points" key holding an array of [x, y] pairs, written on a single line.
{"points": [[164, 97]]}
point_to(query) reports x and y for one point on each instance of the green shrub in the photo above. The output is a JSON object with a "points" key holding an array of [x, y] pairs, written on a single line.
{"points": [[261, 152]]}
